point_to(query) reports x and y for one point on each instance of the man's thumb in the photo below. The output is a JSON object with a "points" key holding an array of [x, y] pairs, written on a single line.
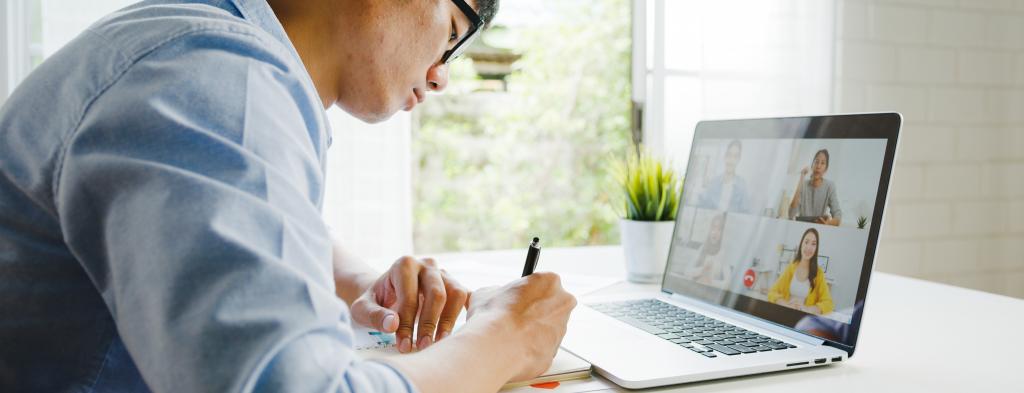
{"points": [[375, 316], [383, 319]]}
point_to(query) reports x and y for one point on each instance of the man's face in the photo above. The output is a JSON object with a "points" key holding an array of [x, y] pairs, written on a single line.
{"points": [[393, 60]]}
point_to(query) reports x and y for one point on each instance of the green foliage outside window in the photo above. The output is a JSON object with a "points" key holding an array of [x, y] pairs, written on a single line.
{"points": [[494, 169]]}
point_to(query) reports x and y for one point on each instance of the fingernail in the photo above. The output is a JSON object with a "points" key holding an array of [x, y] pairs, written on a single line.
{"points": [[442, 335], [388, 322], [424, 342], [405, 346]]}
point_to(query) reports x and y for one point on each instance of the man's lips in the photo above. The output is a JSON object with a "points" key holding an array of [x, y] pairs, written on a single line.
{"points": [[417, 97]]}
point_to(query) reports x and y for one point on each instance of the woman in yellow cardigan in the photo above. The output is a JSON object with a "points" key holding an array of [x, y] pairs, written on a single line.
{"points": [[802, 285]]}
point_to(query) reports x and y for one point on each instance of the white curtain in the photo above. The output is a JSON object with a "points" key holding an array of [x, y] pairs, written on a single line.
{"points": [[368, 201], [730, 58]]}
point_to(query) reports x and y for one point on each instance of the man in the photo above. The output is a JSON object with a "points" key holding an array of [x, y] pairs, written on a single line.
{"points": [[160, 187], [728, 191]]}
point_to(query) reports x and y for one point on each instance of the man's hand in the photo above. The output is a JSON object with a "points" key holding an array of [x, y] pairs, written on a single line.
{"points": [[532, 313], [410, 287]]}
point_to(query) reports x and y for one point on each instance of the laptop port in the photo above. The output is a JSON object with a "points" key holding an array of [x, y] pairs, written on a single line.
{"points": [[819, 361], [837, 359], [798, 364]]}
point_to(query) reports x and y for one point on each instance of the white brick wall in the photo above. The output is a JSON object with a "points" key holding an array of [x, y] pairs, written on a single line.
{"points": [[955, 69]]}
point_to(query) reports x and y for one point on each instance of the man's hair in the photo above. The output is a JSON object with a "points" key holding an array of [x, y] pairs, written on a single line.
{"points": [[487, 9]]}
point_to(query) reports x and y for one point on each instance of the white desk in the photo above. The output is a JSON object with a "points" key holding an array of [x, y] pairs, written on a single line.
{"points": [[916, 335]]}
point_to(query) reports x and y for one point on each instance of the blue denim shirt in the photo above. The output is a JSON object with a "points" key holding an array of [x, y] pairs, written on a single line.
{"points": [[161, 179]]}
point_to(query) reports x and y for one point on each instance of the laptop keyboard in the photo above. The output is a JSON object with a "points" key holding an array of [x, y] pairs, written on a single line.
{"points": [[698, 333]]}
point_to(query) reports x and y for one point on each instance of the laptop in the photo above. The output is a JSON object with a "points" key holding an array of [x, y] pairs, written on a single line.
{"points": [[751, 285]]}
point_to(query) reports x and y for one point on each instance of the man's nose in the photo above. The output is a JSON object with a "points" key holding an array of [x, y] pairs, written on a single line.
{"points": [[437, 77]]}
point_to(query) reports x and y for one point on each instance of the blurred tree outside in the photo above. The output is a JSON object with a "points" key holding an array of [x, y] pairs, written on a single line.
{"points": [[495, 166]]}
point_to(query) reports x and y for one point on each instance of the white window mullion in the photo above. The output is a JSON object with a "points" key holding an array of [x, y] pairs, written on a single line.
{"points": [[638, 68], [654, 130], [15, 54]]}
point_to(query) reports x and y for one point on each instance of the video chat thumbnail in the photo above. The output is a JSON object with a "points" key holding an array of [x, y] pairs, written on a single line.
{"points": [[785, 221]]}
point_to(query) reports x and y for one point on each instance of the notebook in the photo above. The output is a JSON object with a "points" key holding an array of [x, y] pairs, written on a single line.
{"points": [[565, 366]]}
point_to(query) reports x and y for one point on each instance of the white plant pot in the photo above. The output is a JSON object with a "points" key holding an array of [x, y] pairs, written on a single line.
{"points": [[645, 244]]}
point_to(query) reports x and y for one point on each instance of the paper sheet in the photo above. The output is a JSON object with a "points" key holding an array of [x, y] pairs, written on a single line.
{"points": [[475, 275]]}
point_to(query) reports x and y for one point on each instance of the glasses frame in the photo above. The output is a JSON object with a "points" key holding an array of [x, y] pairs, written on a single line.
{"points": [[475, 27]]}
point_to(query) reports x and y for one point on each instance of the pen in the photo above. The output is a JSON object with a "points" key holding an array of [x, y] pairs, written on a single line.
{"points": [[532, 253]]}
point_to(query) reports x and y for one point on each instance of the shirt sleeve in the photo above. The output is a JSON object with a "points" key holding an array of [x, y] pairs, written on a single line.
{"points": [[833, 202], [824, 295], [742, 197], [190, 194]]}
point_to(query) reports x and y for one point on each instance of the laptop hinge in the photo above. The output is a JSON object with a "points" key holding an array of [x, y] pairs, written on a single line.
{"points": [[747, 318]]}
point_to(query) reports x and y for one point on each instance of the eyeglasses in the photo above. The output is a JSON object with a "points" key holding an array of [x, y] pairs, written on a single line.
{"points": [[475, 27]]}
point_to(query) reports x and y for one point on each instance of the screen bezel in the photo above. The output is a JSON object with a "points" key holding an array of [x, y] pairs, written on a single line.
{"points": [[848, 126]]}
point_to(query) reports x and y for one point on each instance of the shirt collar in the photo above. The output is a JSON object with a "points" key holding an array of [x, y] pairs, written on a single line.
{"points": [[259, 13]]}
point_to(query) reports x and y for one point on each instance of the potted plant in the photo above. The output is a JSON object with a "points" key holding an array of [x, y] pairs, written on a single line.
{"points": [[650, 190]]}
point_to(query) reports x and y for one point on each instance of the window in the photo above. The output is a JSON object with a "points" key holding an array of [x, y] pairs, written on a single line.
{"points": [[519, 145]]}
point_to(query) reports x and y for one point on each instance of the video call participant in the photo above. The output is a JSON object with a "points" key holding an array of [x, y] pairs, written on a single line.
{"points": [[812, 196], [727, 191], [710, 269], [802, 285]]}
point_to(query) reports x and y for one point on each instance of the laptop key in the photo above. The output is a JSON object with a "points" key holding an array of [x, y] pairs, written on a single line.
{"points": [[709, 354], [742, 349], [668, 336], [724, 349]]}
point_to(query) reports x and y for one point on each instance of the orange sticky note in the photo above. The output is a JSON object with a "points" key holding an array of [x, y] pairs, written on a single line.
{"points": [[546, 385]]}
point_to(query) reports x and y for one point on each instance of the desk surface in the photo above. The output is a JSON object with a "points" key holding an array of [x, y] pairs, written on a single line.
{"points": [[916, 335]]}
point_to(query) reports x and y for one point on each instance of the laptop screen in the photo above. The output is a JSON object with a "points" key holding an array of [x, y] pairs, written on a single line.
{"points": [[780, 218]]}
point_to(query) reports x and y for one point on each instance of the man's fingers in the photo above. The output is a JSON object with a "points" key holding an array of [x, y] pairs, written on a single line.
{"points": [[405, 276], [458, 297], [434, 297]]}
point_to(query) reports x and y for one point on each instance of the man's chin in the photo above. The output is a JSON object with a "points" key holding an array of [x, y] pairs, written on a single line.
{"points": [[376, 118], [370, 117]]}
